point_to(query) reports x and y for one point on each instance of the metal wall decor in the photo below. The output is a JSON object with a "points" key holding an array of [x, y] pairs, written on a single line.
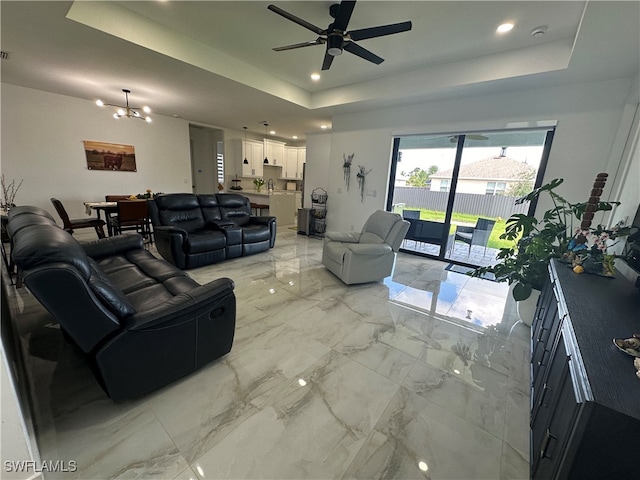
{"points": [[362, 174], [346, 167]]}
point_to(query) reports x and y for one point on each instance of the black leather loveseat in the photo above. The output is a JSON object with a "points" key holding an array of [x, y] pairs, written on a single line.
{"points": [[141, 322], [194, 230]]}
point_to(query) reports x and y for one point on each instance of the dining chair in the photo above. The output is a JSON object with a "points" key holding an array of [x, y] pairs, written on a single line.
{"points": [[478, 235], [70, 225], [115, 198], [132, 215], [111, 214]]}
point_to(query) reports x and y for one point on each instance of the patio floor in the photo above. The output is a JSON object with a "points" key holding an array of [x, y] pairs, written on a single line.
{"points": [[459, 253]]}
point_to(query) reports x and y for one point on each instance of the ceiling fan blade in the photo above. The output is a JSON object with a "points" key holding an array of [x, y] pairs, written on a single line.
{"points": [[362, 52], [343, 15], [319, 41], [299, 21], [328, 59], [372, 32]]}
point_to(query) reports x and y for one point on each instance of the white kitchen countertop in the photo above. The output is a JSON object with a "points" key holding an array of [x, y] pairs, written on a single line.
{"points": [[266, 193]]}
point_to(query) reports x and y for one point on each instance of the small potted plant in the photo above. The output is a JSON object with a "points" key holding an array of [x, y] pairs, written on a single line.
{"points": [[258, 182], [524, 265]]}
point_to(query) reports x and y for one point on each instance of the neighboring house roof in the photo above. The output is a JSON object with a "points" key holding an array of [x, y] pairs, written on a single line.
{"points": [[492, 168]]}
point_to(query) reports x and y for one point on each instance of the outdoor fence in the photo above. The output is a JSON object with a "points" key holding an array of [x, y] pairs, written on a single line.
{"points": [[491, 206]]}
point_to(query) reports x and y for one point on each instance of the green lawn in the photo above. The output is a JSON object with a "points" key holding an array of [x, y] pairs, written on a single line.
{"points": [[469, 220]]}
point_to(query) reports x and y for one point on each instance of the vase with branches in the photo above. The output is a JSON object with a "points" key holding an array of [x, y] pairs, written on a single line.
{"points": [[9, 192]]}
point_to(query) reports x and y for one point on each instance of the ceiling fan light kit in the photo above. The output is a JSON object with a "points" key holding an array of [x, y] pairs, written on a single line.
{"points": [[337, 38], [127, 110]]}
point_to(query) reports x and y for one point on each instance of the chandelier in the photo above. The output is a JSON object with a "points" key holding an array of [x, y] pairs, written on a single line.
{"points": [[127, 110]]}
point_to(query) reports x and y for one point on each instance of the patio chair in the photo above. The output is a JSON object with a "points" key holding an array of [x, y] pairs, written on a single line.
{"points": [[411, 216], [70, 225], [478, 235]]}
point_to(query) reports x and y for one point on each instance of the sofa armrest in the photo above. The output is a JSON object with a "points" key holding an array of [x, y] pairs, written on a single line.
{"points": [[219, 224], [265, 220], [370, 248], [183, 307], [168, 230], [345, 237], [106, 247]]}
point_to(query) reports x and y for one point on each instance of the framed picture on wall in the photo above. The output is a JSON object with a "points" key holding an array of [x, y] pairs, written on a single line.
{"points": [[110, 156]]}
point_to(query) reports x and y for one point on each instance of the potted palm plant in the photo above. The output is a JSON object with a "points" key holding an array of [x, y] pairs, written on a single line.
{"points": [[563, 232]]}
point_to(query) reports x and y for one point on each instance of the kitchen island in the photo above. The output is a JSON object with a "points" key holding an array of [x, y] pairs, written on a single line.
{"points": [[283, 204]]}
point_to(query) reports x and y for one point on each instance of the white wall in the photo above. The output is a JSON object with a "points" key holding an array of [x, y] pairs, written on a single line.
{"points": [[42, 135], [316, 171], [588, 120]]}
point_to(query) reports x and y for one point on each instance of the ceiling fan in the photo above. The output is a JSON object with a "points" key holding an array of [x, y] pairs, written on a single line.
{"points": [[470, 136], [336, 36]]}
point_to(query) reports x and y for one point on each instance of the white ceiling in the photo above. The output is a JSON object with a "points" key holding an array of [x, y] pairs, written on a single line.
{"points": [[213, 63]]}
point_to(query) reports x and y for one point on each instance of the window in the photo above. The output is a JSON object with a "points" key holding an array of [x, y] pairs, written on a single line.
{"points": [[220, 163], [444, 185], [496, 188]]}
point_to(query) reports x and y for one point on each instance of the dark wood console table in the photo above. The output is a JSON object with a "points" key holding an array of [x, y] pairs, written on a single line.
{"points": [[585, 397]]}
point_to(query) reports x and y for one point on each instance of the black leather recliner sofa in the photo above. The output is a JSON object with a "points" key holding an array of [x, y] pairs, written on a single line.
{"points": [[141, 322], [194, 230]]}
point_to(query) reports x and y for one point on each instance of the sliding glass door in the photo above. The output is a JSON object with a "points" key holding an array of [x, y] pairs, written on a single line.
{"points": [[458, 190]]}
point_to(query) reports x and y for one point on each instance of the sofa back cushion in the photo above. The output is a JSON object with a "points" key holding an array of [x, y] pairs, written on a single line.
{"points": [[210, 209], [110, 295], [18, 222], [384, 227], [180, 210], [234, 207], [42, 244]]}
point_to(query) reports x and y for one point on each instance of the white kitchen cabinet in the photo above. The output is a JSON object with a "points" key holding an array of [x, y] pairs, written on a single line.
{"points": [[294, 161], [252, 151], [302, 158], [290, 167], [274, 152]]}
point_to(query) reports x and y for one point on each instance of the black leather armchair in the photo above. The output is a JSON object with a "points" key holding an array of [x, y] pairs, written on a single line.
{"points": [[141, 322], [194, 230]]}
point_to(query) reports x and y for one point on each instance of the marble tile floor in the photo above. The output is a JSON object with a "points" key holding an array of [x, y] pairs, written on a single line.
{"points": [[423, 375]]}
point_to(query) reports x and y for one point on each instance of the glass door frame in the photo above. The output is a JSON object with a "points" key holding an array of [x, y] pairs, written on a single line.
{"points": [[550, 132]]}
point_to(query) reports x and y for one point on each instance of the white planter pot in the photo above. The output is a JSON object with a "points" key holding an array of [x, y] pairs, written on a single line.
{"points": [[527, 308]]}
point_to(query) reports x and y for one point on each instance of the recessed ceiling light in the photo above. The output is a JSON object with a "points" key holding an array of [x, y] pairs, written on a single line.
{"points": [[295, 137], [272, 132], [315, 76], [323, 127], [504, 28]]}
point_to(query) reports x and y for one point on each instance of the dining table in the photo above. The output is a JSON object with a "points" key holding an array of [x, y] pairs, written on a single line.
{"points": [[109, 209]]}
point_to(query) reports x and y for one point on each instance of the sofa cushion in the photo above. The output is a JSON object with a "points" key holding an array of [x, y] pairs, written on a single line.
{"points": [[205, 241], [19, 222], [381, 224], [209, 205], [255, 233], [180, 210], [110, 295], [234, 207], [44, 244], [368, 237]]}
